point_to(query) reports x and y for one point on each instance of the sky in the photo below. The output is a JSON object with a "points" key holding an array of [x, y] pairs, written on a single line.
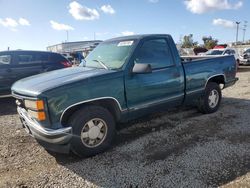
{"points": [[36, 24]]}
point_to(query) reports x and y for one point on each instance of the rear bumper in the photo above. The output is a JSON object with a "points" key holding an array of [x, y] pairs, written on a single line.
{"points": [[231, 82], [50, 136]]}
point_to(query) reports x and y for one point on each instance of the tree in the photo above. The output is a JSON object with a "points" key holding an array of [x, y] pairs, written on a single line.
{"points": [[209, 42], [188, 41]]}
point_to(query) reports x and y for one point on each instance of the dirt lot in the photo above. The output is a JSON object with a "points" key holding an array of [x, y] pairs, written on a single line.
{"points": [[173, 149]]}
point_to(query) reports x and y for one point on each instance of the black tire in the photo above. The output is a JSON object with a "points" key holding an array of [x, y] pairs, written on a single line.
{"points": [[79, 120], [203, 103], [237, 64]]}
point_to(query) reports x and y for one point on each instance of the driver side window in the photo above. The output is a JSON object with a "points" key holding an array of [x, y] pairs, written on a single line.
{"points": [[155, 52]]}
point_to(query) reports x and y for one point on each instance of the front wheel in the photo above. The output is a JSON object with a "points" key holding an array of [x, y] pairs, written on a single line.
{"points": [[209, 102], [93, 130]]}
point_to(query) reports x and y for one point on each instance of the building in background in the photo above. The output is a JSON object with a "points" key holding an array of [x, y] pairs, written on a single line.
{"points": [[74, 51], [72, 47]]}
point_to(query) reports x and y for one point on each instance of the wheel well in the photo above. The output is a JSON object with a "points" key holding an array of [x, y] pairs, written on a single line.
{"points": [[110, 104], [218, 79]]}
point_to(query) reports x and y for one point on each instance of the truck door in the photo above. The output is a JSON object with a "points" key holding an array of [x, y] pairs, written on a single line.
{"points": [[164, 84], [5, 73]]}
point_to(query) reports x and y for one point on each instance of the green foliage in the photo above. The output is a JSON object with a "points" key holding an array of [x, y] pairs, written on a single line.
{"points": [[209, 42], [188, 41]]}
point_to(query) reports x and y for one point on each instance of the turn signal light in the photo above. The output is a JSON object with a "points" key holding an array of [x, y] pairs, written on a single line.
{"points": [[40, 105], [40, 116]]}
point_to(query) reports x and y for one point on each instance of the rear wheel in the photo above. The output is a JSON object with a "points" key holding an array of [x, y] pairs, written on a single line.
{"points": [[93, 130], [209, 102]]}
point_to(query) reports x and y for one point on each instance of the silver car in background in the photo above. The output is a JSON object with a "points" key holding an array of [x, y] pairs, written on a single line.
{"points": [[245, 57]]}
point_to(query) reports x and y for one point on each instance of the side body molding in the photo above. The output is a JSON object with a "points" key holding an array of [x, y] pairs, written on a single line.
{"points": [[91, 100]]}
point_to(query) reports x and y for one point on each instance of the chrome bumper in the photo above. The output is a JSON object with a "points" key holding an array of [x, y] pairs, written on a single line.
{"points": [[245, 62], [59, 136]]}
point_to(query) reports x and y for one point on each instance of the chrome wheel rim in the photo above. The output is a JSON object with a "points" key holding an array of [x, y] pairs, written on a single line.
{"points": [[213, 98], [94, 132]]}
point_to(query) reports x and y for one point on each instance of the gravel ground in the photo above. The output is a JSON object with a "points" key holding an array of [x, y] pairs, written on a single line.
{"points": [[179, 148]]}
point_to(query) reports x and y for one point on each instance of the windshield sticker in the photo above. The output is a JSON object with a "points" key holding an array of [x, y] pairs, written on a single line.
{"points": [[125, 43]]}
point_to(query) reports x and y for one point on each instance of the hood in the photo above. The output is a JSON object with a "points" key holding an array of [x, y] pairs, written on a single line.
{"points": [[35, 85]]}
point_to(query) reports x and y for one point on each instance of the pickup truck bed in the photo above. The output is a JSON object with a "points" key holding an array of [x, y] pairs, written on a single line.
{"points": [[199, 71]]}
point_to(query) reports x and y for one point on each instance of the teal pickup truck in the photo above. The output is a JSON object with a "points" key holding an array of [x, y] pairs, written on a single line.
{"points": [[77, 109]]}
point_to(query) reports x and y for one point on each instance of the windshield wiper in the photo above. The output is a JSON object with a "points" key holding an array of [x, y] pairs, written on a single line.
{"points": [[101, 63]]}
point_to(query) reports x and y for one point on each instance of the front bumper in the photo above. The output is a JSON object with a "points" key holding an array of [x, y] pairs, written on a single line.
{"points": [[50, 136]]}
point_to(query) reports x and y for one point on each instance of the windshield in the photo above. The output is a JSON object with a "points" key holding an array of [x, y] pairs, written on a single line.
{"points": [[110, 54], [214, 52], [247, 51]]}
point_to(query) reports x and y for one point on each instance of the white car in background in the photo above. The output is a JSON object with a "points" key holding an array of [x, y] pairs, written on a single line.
{"points": [[223, 51]]}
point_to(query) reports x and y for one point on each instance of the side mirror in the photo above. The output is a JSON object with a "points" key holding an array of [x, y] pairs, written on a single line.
{"points": [[142, 68]]}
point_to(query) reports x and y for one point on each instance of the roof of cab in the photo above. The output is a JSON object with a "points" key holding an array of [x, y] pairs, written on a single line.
{"points": [[137, 37]]}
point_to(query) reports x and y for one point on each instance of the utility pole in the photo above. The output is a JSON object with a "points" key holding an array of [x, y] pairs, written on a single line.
{"points": [[237, 32], [244, 30], [67, 32]]}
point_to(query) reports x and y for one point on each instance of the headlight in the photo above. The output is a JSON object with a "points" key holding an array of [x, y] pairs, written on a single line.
{"points": [[40, 115], [35, 109], [36, 105]]}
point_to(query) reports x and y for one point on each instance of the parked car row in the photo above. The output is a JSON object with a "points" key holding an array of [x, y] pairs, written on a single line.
{"points": [[222, 50], [15, 65]]}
